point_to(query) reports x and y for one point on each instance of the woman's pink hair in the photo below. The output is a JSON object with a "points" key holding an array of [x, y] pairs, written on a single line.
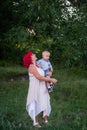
{"points": [[27, 60]]}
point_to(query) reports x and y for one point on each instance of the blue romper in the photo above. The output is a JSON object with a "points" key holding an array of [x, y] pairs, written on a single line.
{"points": [[45, 65]]}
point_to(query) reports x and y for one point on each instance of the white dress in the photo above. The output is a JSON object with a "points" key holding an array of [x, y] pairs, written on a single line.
{"points": [[38, 98]]}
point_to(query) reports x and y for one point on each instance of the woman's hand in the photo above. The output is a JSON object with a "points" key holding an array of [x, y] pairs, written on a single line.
{"points": [[53, 80]]}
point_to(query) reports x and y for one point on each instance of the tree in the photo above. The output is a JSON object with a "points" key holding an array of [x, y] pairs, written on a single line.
{"points": [[59, 26]]}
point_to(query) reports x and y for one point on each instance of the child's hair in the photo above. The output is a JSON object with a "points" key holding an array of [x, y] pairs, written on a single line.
{"points": [[45, 52]]}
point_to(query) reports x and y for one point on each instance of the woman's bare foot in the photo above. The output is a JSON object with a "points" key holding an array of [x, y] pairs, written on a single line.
{"points": [[45, 120], [37, 125]]}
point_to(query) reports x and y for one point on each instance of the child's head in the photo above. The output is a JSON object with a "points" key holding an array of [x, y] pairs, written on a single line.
{"points": [[45, 55]]}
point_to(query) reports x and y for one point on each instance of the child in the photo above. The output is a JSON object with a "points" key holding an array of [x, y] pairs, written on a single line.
{"points": [[45, 64]]}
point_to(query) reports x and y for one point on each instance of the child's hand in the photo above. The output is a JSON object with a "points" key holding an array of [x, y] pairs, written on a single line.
{"points": [[50, 73], [38, 65]]}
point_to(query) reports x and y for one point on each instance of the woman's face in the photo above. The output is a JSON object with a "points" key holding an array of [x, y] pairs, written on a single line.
{"points": [[34, 58]]}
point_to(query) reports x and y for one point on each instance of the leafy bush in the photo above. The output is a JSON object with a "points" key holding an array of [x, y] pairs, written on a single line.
{"points": [[57, 26]]}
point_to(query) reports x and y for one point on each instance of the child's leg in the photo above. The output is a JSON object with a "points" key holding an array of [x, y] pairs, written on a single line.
{"points": [[47, 85]]}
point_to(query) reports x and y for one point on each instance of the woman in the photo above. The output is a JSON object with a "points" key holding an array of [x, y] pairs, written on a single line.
{"points": [[38, 99]]}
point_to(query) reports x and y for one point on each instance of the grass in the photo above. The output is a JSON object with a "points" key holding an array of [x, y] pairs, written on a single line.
{"points": [[68, 101], [12, 71]]}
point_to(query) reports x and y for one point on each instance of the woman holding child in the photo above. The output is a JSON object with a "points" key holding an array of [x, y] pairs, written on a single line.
{"points": [[38, 99]]}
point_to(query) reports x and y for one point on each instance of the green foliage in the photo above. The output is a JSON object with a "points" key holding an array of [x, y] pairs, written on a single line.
{"points": [[57, 26], [70, 40]]}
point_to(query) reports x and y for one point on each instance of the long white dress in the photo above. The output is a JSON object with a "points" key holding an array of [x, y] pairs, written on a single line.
{"points": [[38, 98]]}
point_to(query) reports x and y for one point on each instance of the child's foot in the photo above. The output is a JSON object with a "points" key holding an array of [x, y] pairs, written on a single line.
{"points": [[51, 85], [50, 88]]}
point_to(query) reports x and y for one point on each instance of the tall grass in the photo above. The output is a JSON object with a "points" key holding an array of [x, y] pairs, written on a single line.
{"points": [[6, 72], [68, 102]]}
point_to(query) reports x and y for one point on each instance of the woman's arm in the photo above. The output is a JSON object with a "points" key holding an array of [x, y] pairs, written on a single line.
{"points": [[33, 70]]}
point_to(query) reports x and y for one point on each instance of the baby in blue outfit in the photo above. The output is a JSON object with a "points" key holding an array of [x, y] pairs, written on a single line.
{"points": [[45, 64]]}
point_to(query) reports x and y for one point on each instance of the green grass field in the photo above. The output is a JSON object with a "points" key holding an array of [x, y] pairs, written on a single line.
{"points": [[68, 101]]}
